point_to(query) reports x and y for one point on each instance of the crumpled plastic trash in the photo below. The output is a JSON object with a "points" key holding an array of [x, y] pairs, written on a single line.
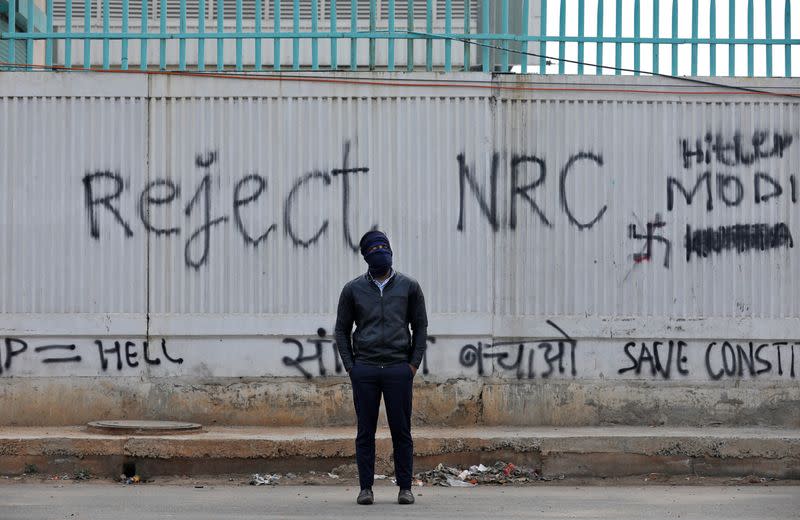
{"points": [[380, 477], [454, 482], [264, 480], [499, 473]]}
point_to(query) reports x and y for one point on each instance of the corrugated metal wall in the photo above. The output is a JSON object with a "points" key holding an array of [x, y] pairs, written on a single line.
{"points": [[246, 205]]}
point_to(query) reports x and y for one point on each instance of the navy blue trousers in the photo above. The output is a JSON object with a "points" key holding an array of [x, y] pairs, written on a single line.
{"points": [[394, 382]]}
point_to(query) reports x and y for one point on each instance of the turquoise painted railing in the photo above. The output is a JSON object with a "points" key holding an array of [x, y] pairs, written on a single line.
{"points": [[441, 26]]}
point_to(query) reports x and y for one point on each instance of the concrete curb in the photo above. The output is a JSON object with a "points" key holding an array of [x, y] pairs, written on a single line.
{"points": [[572, 452]]}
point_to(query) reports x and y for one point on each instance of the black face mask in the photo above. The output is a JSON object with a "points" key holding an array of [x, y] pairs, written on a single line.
{"points": [[379, 261]]}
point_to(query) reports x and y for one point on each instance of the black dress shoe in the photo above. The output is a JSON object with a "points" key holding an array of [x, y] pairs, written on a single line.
{"points": [[365, 497], [405, 497]]}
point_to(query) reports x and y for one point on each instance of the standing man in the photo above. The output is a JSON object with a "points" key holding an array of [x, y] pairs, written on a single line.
{"points": [[382, 358]]}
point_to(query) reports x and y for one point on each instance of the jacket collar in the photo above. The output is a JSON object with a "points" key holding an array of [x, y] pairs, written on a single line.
{"points": [[391, 276]]}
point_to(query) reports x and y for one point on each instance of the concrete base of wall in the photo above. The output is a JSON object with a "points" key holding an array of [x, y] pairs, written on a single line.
{"points": [[572, 452], [455, 402]]}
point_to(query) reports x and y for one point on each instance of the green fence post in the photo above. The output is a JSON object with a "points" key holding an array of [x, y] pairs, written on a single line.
{"points": [[201, 40], [296, 39], [409, 41], [467, 29], [87, 28], [334, 37], [562, 31], [238, 32], [523, 57], [390, 39], [258, 65], [48, 53], [787, 29], [618, 45], [695, 17], [674, 37], [731, 35], [220, 32], [750, 37], [485, 31], [353, 39], [637, 13], [162, 44], [105, 33], [125, 30], [314, 39], [67, 31], [656, 36], [276, 43], [182, 42], [598, 70], [768, 47], [373, 8], [143, 53], [448, 28], [428, 39], [712, 49], [581, 21]]}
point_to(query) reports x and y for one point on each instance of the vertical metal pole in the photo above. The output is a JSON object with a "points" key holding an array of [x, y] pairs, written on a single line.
{"points": [[182, 42], [768, 49], [618, 45], [126, 13], [731, 35], [599, 49], [29, 30], [105, 33], [373, 8], [87, 28], [523, 57], [695, 19], [562, 31], [637, 55], [409, 41], [787, 29], [656, 46], [238, 32], [201, 40], [504, 30], [334, 38], [429, 40], [354, 30], [220, 31], [276, 49], [712, 49], [67, 30], [543, 34], [143, 53], [750, 37], [162, 46], [48, 56], [674, 36], [448, 29], [581, 21], [12, 29], [296, 39], [314, 39], [390, 39], [467, 29], [485, 31], [259, 62]]}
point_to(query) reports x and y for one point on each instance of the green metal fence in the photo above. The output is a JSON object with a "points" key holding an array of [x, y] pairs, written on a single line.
{"points": [[480, 31]]}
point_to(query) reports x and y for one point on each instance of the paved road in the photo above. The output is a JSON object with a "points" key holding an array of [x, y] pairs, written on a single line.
{"points": [[119, 502]]}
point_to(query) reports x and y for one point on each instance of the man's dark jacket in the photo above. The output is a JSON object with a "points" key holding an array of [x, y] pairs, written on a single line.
{"points": [[382, 336]]}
